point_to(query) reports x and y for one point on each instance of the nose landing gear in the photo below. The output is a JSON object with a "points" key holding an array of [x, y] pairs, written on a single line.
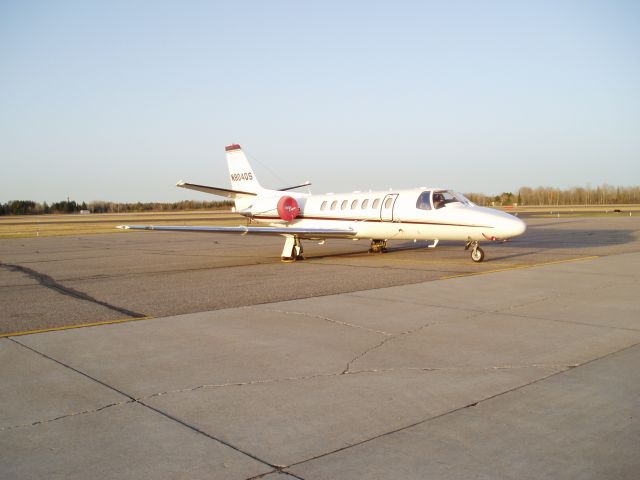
{"points": [[477, 254]]}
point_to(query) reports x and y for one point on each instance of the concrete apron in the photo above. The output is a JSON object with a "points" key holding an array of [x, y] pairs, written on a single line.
{"points": [[523, 374]]}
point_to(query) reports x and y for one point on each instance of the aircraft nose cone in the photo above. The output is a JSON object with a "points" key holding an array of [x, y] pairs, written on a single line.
{"points": [[503, 224], [516, 227]]}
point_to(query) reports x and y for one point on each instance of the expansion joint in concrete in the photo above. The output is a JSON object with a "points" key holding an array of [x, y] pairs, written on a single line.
{"points": [[278, 471], [132, 400], [203, 433], [464, 407]]}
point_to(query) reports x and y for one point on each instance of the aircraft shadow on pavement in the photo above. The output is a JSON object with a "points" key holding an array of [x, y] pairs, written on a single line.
{"points": [[536, 238], [547, 238], [542, 239], [582, 238]]}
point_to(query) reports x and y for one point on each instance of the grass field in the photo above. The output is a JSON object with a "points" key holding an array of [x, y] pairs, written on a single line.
{"points": [[25, 226], [543, 211]]}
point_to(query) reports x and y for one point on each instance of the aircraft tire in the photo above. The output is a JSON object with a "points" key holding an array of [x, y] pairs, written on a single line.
{"points": [[477, 255]]}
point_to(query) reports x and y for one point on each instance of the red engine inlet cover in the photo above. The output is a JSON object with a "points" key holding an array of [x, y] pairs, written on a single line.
{"points": [[288, 208]]}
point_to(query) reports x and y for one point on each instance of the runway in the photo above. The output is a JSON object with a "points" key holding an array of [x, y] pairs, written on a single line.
{"points": [[225, 363]]}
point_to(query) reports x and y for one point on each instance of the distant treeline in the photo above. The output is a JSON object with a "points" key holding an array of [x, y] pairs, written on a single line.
{"points": [[29, 207], [602, 195]]}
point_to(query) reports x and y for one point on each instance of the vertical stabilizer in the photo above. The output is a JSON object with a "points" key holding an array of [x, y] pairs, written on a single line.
{"points": [[240, 172]]}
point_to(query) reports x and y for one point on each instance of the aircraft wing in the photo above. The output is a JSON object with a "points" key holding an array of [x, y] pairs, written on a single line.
{"points": [[223, 192], [305, 233]]}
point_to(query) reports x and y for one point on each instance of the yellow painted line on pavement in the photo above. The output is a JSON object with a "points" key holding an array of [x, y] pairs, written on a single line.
{"points": [[69, 327], [520, 267], [135, 319]]}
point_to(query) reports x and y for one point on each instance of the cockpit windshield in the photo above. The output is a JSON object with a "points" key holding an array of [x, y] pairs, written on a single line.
{"points": [[441, 198]]}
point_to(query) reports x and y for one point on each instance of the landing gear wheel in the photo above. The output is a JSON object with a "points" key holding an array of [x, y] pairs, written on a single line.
{"points": [[292, 259], [477, 255], [378, 246]]}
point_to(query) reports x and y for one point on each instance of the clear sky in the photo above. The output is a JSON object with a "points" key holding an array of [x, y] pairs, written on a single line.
{"points": [[110, 100]]}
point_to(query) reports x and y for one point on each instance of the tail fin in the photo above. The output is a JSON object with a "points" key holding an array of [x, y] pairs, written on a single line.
{"points": [[240, 172]]}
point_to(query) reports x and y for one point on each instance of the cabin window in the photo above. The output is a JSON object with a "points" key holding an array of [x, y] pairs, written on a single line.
{"points": [[424, 201], [388, 202], [324, 205], [376, 202], [344, 204], [334, 204], [365, 202], [354, 204]]}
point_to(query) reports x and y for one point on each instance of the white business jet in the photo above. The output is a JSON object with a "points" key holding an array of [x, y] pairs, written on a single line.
{"points": [[418, 214]]}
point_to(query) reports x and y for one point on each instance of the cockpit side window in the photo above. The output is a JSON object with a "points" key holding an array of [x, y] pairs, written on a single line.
{"points": [[424, 201]]}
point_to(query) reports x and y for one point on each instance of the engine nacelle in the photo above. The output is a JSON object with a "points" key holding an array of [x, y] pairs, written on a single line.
{"points": [[288, 208]]}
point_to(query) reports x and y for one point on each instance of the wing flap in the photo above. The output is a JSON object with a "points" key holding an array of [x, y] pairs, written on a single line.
{"points": [[306, 233]]}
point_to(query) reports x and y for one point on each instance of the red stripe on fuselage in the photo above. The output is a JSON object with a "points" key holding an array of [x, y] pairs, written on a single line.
{"points": [[412, 222]]}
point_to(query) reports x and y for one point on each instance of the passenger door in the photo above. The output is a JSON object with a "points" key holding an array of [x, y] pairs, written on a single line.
{"points": [[386, 207]]}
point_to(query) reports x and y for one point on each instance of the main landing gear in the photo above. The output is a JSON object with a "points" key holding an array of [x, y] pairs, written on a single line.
{"points": [[477, 254], [292, 250], [378, 246]]}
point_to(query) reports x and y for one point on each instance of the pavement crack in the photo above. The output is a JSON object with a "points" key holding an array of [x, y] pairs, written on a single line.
{"points": [[238, 384], [572, 322], [322, 317], [462, 408], [305, 378], [560, 367], [285, 379], [363, 353], [457, 308], [389, 336], [49, 282], [393, 337], [61, 417], [131, 399]]}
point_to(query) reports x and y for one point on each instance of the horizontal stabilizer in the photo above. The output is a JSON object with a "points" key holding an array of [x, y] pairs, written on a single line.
{"points": [[223, 192], [306, 233], [305, 184]]}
